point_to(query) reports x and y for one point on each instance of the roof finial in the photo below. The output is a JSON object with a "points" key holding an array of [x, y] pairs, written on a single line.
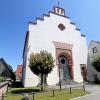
{"points": [[58, 3]]}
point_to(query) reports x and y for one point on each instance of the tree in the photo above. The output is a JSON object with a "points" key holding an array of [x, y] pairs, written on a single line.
{"points": [[96, 64], [41, 64]]}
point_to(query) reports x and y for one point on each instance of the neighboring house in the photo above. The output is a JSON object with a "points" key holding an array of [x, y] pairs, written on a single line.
{"points": [[94, 52], [56, 34], [6, 70], [19, 72]]}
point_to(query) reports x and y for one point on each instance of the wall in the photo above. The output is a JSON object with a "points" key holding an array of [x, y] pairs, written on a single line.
{"points": [[3, 88], [41, 36]]}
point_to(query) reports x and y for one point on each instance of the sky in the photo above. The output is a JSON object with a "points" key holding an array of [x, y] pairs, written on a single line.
{"points": [[15, 15]]}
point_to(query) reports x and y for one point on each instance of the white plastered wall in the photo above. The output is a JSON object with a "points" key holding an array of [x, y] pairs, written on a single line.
{"points": [[41, 36]]}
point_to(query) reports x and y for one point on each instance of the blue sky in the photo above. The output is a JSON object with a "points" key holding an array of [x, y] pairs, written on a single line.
{"points": [[15, 15]]}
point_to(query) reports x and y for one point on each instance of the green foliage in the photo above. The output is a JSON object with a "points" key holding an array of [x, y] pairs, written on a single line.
{"points": [[41, 63], [96, 64], [2, 78]]}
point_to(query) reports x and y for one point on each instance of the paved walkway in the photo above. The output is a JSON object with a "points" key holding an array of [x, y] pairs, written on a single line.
{"points": [[95, 93], [94, 96], [92, 88]]}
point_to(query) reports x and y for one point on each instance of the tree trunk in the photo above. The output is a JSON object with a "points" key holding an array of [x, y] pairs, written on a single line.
{"points": [[41, 82]]}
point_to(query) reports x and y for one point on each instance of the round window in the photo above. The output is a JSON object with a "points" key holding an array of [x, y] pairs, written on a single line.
{"points": [[61, 27]]}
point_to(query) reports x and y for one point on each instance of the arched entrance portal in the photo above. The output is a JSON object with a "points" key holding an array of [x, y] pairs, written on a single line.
{"points": [[64, 68], [64, 59]]}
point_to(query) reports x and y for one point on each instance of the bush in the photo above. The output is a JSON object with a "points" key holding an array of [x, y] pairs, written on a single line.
{"points": [[25, 98], [1, 78], [96, 64]]}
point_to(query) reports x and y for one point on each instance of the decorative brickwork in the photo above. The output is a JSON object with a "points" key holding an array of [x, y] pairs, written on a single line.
{"points": [[62, 45], [64, 49]]}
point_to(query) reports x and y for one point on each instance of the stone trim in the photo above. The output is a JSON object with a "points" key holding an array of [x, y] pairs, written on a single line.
{"points": [[34, 23], [77, 29], [68, 55], [47, 15], [72, 23], [83, 35], [62, 45], [38, 18], [64, 49]]}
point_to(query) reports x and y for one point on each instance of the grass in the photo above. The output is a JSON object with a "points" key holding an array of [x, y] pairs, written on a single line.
{"points": [[46, 95]]}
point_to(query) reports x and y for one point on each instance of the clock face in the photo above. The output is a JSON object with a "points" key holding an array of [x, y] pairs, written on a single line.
{"points": [[61, 27]]}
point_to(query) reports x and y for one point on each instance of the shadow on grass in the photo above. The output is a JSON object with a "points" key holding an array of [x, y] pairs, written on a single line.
{"points": [[22, 91], [17, 84]]}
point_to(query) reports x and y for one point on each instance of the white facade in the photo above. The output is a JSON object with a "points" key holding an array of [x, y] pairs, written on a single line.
{"points": [[94, 52], [43, 35]]}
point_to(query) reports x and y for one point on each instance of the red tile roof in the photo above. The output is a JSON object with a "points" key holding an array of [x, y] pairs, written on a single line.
{"points": [[19, 70]]}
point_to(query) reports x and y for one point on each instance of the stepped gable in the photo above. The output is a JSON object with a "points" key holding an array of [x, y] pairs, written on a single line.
{"points": [[48, 15]]}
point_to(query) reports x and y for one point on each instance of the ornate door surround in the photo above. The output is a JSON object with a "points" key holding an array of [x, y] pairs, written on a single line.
{"points": [[65, 50]]}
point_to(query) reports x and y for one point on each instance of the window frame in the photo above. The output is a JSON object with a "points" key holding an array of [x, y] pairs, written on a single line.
{"points": [[94, 50]]}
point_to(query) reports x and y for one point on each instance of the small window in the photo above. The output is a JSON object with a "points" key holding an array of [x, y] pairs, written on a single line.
{"points": [[61, 11], [57, 10], [94, 49], [61, 27]]}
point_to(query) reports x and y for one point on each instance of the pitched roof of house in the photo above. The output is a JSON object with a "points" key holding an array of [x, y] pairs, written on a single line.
{"points": [[9, 68], [93, 41]]}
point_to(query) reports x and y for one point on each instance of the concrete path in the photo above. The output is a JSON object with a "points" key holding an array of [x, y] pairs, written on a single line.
{"points": [[92, 88], [93, 96], [95, 93]]}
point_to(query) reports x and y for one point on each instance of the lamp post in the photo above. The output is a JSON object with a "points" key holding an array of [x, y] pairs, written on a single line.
{"points": [[59, 73]]}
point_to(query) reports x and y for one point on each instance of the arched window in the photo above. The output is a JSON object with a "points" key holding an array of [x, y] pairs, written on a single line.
{"points": [[61, 11], [57, 10]]}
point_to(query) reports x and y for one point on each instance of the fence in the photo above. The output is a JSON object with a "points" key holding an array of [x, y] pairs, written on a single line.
{"points": [[43, 95]]}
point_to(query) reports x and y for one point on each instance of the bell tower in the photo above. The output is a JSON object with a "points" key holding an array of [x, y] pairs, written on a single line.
{"points": [[59, 10]]}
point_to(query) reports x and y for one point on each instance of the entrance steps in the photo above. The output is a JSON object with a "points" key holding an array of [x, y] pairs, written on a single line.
{"points": [[68, 82]]}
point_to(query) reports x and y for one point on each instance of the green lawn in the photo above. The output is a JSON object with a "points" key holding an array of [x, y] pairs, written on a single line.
{"points": [[58, 95]]}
